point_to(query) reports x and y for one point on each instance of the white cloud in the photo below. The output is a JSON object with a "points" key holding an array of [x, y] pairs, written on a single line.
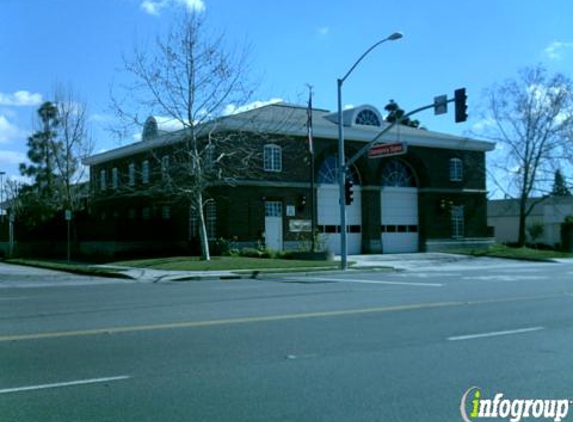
{"points": [[20, 98], [482, 124], [323, 30], [12, 157], [9, 132], [101, 118], [168, 124], [233, 109], [154, 7], [557, 49]]}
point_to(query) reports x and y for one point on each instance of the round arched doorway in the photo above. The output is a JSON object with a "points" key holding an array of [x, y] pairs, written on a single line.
{"points": [[328, 208], [399, 208]]}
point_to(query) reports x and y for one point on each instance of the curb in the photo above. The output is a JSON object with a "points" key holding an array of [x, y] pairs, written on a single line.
{"points": [[265, 275]]}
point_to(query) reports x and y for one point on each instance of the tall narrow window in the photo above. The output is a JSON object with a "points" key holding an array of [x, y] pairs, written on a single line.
{"points": [[458, 221], [166, 212], [210, 157], [193, 223], [210, 214], [211, 219], [456, 170], [114, 178], [102, 181], [131, 174], [165, 167], [145, 172], [273, 158]]}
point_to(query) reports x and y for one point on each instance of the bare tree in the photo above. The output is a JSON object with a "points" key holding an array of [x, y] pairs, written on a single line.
{"points": [[189, 79], [531, 119], [75, 143]]}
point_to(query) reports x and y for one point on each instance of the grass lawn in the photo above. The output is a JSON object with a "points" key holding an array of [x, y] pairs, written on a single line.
{"points": [[502, 251], [220, 263], [76, 268]]}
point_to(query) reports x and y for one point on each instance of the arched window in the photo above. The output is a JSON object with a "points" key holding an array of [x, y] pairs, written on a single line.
{"points": [[328, 171], [398, 174], [456, 170], [273, 158], [368, 118]]}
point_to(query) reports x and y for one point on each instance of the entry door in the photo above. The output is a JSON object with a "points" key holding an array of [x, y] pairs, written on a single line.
{"points": [[274, 225]]}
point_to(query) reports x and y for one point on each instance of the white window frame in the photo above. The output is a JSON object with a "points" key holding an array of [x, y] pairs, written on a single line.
{"points": [[457, 218], [102, 181], [273, 209], [273, 158], [211, 219], [456, 170], [131, 174], [114, 178], [164, 166], [210, 156], [145, 171]]}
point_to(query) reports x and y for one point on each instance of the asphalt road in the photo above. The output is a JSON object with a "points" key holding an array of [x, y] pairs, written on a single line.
{"points": [[369, 346]]}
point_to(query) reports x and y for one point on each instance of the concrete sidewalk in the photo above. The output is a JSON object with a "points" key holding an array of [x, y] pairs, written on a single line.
{"points": [[393, 262], [410, 262], [433, 261]]}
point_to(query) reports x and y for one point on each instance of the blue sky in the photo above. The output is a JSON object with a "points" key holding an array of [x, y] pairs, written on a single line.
{"points": [[447, 44]]}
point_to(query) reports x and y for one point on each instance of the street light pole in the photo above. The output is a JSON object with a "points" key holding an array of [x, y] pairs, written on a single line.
{"points": [[342, 168]]}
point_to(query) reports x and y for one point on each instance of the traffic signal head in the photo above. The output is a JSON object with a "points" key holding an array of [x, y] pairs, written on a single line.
{"points": [[460, 99], [348, 191]]}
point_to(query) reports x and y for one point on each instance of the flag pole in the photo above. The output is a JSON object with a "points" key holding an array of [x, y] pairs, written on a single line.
{"points": [[311, 157]]}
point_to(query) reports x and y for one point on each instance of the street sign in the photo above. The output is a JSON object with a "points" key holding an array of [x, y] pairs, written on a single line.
{"points": [[440, 104], [388, 150], [68, 215]]}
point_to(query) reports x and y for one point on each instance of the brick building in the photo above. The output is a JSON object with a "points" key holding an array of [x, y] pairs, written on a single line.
{"points": [[431, 198]]}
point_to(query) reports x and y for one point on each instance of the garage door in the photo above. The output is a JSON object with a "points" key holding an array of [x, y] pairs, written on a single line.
{"points": [[399, 225], [329, 219]]}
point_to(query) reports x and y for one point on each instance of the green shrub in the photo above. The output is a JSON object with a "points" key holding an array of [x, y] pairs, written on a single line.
{"points": [[233, 252], [250, 253]]}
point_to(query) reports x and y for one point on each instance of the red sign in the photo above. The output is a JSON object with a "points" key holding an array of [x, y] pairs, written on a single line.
{"points": [[387, 150]]}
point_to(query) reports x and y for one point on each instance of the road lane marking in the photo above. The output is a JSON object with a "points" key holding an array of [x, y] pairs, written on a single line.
{"points": [[270, 318], [63, 384], [244, 320], [354, 280], [496, 333]]}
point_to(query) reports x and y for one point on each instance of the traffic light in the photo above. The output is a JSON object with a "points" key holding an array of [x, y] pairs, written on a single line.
{"points": [[348, 192], [460, 99]]}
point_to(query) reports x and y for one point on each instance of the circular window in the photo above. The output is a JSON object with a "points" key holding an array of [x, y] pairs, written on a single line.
{"points": [[368, 118], [398, 174], [328, 171]]}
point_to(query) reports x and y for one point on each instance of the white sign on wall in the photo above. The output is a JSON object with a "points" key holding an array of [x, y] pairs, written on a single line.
{"points": [[298, 226]]}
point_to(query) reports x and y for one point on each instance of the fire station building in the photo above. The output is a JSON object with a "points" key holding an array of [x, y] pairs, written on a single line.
{"points": [[431, 198]]}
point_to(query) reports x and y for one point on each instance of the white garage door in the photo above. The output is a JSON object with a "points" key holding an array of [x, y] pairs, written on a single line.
{"points": [[399, 219], [329, 219]]}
